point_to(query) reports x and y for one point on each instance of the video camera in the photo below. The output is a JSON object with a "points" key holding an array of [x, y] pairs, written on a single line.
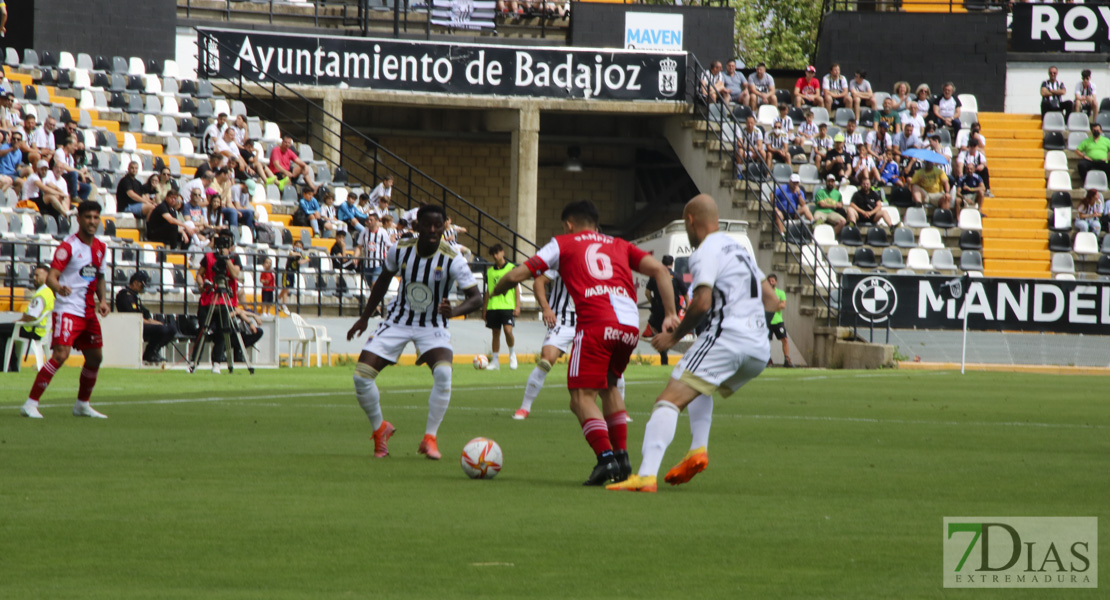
{"points": [[223, 242]]}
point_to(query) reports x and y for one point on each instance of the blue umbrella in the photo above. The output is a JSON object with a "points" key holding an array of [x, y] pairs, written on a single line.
{"points": [[926, 155]]}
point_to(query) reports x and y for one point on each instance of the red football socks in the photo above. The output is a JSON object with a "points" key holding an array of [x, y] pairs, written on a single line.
{"points": [[618, 429], [87, 381], [597, 435], [42, 380]]}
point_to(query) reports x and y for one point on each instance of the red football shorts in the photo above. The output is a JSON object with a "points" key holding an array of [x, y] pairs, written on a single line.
{"points": [[80, 333], [598, 352]]}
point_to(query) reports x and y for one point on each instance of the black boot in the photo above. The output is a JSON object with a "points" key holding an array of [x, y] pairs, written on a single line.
{"points": [[624, 464], [606, 471]]}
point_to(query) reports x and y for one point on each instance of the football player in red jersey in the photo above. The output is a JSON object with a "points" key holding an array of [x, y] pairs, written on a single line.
{"points": [[77, 277], [597, 270]]}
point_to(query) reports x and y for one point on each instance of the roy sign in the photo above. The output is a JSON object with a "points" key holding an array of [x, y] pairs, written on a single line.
{"points": [[1061, 27]]}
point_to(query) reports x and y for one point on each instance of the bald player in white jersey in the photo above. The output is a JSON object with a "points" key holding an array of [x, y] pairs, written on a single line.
{"points": [[732, 295]]}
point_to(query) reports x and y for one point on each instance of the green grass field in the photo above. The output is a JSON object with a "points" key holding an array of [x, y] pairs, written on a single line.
{"points": [[821, 485]]}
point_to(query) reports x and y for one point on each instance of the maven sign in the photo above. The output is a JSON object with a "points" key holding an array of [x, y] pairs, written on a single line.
{"points": [[1060, 27], [653, 31], [918, 302], [442, 67]]}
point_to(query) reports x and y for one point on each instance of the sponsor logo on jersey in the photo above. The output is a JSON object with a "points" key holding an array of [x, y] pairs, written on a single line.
{"points": [[625, 337], [88, 272], [606, 290]]}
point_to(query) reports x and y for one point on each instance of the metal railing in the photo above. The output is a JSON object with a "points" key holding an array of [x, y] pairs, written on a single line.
{"points": [[412, 186], [723, 128], [928, 6]]}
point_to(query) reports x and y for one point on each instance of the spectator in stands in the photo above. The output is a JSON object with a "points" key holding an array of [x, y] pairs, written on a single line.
{"points": [[930, 185], [229, 150], [287, 164], [56, 180], [915, 116], [777, 146], [382, 195], [790, 203], [761, 88], [308, 211], [196, 209], [901, 99], [370, 248], [1089, 211], [158, 187], [853, 139], [888, 115], [861, 93], [340, 260], [807, 90], [867, 204], [10, 159], [864, 167], [129, 194], [76, 180], [713, 85], [749, 144], [392, 229], [735, 83], [48, 199], [822, 143], [213, 134], [946, 109], [879, 140], [156, 334], [837, 162], [972, 190], [349, 214], [27, 147], [974, 160], [906, 140], [293, 263], [1086, 101], [1092, 153], [329, 221], [965, 134], [1053, 95], [201, 182], [944, 150], [807, 130], [830, 205], [890, 173], [835, 88], [9, 118], [215, 160], [234, 209], [784, 122], [267, 281], [165, 225]]}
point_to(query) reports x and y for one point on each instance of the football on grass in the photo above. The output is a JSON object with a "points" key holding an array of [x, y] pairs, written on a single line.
{"points": [[481, 458], [480, 361]]}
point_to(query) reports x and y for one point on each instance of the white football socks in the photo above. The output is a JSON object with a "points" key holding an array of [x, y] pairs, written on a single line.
{"points": [[701, 418], [535, 383], [439, 398], [366, 390], [658, 434]]}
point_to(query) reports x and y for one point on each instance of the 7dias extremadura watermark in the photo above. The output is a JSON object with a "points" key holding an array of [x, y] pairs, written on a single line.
{"points": [[1021, 552]]}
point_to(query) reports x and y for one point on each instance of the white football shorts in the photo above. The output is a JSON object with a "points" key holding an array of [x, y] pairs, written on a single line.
{"points": [[389, 340], [722, 362], [560, 336]]}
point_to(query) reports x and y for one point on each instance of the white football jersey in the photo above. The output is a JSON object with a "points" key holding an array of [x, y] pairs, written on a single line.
{"points": [[737, 282], [425, 282]]}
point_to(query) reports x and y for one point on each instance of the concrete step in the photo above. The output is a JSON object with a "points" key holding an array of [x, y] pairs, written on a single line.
{"points": [[1003, 169], [1016, 264], [1018, 134], [993, 243], [1017, 213], [1015, 273], [1033, 179], [1036, 164], [1012, 143], [1018, 254], [992, 230], [1013, 203], [1003, 190], [992, 223], [995, 152], [997, 117]]}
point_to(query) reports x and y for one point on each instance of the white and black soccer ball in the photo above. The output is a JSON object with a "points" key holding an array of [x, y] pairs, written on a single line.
{"points": [[481, 458], [481, 361]]}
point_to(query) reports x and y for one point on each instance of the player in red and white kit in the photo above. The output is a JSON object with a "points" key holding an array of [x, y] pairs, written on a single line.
{"points": [[77, 277], [597, 271]]}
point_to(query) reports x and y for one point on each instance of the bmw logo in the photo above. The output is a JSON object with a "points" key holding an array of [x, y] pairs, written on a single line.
{"points": [[874, 299]]}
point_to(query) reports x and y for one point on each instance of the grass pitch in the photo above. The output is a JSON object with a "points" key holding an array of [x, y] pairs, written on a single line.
{"points": [[820, 485]]}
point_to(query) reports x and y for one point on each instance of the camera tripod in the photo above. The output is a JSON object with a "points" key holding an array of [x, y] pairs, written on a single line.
{"points": [[221, 306]]}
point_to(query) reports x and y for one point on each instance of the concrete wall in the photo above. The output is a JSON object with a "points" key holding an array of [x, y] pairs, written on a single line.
{"points": [[966, 49], [479, 172], [126, 28]]}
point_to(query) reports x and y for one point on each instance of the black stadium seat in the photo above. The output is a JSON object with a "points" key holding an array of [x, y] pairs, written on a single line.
{"points": [[1059, 242], [102, 64], [1061, 199], [943, 219], [876, 237], [1103, 267], [784, 97], [1054, 140], [865, 258], [971, 240], [851, 236]]}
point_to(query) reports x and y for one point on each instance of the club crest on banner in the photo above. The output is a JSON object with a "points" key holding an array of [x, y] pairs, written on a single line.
{"points": [[668, 77]]}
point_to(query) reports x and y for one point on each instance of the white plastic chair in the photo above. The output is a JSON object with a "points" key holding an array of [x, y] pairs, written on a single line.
{"points": [[1054, 121], [36, 347], [930, 239], [1059, 181], [1062, 262], [1096, 180], [317, 334], [136, 66], [1055, 160], [918, 259], [824, 235], [169, 69], [895, 216], [971, 220], [942, 260], [767, 114], [1086, 242], [297, 347], [81, 79], [968, 102], [66, 61]]}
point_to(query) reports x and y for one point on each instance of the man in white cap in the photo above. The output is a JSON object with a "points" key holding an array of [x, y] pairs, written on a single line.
{"points": [[790, 203]]}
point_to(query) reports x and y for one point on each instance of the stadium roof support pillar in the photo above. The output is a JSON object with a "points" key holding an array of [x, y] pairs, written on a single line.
{"points": [[524, 171], [328, 127]]}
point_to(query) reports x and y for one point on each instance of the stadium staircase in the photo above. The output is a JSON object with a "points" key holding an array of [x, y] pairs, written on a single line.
{"points": [[1015, 230]]}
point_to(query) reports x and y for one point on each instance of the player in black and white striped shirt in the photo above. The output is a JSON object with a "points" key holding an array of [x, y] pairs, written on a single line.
{"points": [[371, 247], [560, 317], [428, 268]]}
